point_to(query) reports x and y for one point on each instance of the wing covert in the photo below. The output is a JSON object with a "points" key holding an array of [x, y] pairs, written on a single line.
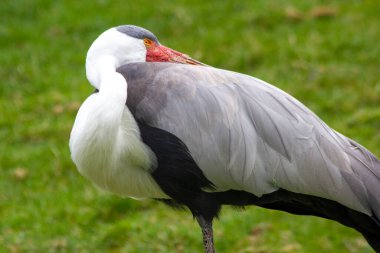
{"points": [[243, 133]]}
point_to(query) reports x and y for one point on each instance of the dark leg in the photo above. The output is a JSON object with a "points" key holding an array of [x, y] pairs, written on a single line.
{"points": [[208, 240]]}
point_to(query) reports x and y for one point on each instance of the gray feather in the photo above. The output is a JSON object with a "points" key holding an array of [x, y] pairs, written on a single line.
{"points": [[248, 135], [136, 32]]}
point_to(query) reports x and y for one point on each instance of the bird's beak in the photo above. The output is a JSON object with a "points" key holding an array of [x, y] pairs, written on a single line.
{"points": [[160, 53]]}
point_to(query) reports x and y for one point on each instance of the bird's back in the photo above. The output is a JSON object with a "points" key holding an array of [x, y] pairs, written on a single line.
{"points": [[248, 135]]}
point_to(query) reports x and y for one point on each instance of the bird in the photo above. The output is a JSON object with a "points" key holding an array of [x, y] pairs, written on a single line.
{"points": [[161, 125]]}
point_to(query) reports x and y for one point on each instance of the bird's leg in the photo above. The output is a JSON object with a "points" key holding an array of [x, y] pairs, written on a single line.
{"points": [[208, 238]]}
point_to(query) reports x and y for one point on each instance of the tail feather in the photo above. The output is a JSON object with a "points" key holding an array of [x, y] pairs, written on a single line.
{"points": [[369, 227], [365, 182], [373, 240], [296, 203], [367, 168]]}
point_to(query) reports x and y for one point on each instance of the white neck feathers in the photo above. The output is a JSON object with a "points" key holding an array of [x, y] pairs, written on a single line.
{"points": [[109, 51], [105, 141]]}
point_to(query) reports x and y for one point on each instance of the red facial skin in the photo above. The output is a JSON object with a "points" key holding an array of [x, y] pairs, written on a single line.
{"points": [[159, 53]]}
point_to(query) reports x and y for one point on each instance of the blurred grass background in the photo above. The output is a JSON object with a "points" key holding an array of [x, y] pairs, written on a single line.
{"points": [[325, 53]]}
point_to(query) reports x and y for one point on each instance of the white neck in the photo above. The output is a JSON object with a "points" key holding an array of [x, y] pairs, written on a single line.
{"points": [[105, 141], [99, 69], [109, 51], [112, 86]]}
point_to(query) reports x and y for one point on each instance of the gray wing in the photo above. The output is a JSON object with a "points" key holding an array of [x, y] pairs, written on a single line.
{"points": [[248, 135]]}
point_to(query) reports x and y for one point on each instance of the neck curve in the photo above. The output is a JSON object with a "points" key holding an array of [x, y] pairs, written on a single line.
{"points": [[105, 141], [112, 86], [100, 69], [109, 51]]}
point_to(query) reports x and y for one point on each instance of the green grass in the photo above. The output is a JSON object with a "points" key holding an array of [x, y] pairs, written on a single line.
{"points": [[325, 53]]}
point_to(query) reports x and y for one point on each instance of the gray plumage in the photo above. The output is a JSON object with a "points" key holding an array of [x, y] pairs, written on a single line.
{"points": [[137, 32], [248, 135]]}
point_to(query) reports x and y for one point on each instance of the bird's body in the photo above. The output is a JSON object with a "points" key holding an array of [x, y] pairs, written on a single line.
{"points": [[203, 137]]}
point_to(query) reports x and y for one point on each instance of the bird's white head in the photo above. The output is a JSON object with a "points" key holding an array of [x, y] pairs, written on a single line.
{"points": [[127, 44]]}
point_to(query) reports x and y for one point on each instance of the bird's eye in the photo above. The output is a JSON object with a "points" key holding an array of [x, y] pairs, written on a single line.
{"points": [[148, 42]]}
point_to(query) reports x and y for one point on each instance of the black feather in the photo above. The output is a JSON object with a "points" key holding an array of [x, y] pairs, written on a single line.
{"points": [[179, 177]]}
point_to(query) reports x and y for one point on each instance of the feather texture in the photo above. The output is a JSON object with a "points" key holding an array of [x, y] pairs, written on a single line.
{"points": [[248, 135]]}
